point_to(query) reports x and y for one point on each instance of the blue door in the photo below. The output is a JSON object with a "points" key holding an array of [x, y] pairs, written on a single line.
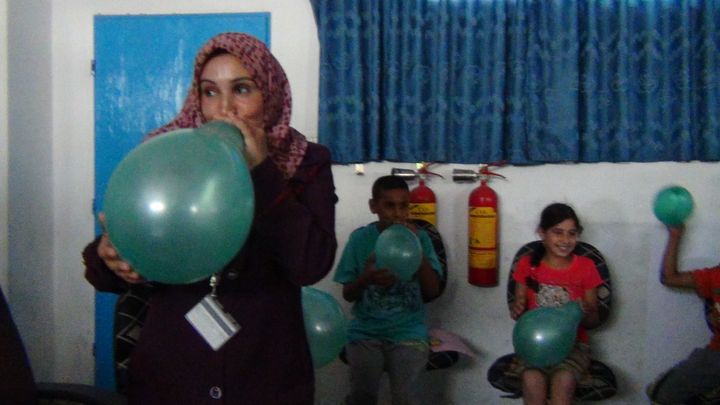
{"points": [[143, 67]]}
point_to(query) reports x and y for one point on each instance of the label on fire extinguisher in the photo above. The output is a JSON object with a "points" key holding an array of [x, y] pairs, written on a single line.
{"points": [[482, 228], [482, 259], [424, 211]]}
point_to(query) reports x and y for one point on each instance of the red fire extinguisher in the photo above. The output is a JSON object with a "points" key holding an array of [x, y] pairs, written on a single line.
{"points": [[423, 204], [483, 222]]}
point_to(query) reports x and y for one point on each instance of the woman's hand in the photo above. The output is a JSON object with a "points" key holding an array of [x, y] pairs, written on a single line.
{"points": [[256, 146], [112, 259]]}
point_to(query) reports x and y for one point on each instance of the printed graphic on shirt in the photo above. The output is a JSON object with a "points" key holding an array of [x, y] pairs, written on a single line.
{"points": [[400, 297], [552, 295]]}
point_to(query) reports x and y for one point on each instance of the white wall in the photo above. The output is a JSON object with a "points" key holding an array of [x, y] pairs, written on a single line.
{"points": [[51, 190], [3, 147], [31, 265]]}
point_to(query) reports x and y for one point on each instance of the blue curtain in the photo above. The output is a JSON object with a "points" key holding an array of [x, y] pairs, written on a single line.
{"points": [[477, 81]]}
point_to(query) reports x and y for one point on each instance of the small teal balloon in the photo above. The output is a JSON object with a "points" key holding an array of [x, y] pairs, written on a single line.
{"points": [[179, 206], [545, 336], [325, 326], [398, 249], [673, 205]]}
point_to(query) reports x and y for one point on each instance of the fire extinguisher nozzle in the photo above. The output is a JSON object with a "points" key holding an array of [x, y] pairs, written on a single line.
{"points": [[407, 174], [464, 175]]}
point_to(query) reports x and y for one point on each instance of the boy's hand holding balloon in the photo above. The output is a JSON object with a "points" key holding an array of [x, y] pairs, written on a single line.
{"points": [[375, 276]]}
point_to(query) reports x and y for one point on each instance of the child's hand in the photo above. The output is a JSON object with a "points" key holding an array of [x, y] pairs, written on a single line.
{"points": [[587, 307], [410, 225], [382, 278], [407, 223], [375, 276], [715, 316], [517, 309], [590, 314]]}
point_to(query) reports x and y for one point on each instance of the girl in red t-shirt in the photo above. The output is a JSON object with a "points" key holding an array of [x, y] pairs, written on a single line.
{"points": [[551, 277]]}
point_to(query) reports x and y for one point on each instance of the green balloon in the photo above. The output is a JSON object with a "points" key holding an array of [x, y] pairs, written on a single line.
{"points": [[325, 326], [398, 249], [673, 205], [545, 336], [179, 206]]}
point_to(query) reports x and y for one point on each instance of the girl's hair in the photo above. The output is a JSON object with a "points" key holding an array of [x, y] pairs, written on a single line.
{"points": [[552, 215]]}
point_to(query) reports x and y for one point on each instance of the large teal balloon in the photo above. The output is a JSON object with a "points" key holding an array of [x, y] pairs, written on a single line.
{"points": [[179, 206], [398, 249], [545, 336], [673, 205], [325, 325]]}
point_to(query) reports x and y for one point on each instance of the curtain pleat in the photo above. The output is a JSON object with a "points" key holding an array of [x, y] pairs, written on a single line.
{"points": [[477, 81]]}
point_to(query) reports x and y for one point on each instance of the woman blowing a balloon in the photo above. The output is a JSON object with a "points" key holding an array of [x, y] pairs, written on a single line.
{"points": [[291, 243], [552, 277]]}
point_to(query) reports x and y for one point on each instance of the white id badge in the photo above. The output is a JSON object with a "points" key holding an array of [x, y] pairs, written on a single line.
{"points": [[211, 321]]}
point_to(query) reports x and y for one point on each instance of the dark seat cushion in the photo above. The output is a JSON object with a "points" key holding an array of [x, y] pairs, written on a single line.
{"points": [[709, 398]]}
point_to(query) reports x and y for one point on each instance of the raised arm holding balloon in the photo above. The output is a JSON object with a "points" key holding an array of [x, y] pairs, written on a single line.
{"points": [[289, 241], [699, 373], [670, 276], [386, 269]]}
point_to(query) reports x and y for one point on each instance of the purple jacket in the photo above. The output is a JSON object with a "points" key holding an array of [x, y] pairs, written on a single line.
{"points": [[292, 243]]}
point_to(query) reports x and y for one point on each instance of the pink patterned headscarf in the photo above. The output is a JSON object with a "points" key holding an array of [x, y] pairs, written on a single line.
{"points": [[286, 145]]}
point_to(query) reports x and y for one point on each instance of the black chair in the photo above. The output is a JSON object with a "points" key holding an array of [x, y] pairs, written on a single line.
{"points": [[600, 382], [711, 397], [17, 383]]}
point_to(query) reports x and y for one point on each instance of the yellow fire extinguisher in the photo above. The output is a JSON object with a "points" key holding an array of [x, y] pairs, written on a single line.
{"points": [[423, 203]]}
